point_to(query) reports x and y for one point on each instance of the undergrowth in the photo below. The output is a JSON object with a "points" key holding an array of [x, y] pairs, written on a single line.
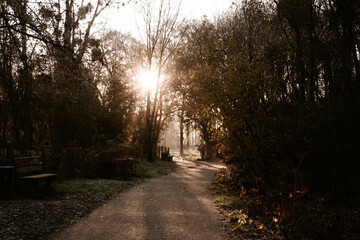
{"points": [[261, 212]]}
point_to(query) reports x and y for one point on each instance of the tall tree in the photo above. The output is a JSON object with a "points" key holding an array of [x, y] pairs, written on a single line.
{"points": [[76, 103], [111, 64], [161, 38]]}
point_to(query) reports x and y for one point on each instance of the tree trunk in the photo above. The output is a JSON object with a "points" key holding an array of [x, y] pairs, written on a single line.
{"points": [[188, 135], [181, 133], [149, 127], [300, 65], [357, 69], [68, 23], [311, 94]]}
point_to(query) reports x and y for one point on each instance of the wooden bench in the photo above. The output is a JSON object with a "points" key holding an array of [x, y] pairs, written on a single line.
{"points": [[30, 169], [166, 157], [110, 166]]}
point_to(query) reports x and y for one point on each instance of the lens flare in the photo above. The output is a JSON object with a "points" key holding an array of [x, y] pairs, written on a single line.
{"points": [[147, 80]]}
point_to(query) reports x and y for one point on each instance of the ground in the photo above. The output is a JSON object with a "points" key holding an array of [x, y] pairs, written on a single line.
{"points": [[71, 200], [176, 206]]}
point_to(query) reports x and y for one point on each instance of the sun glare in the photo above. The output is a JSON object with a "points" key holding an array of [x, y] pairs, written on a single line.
{"points": [[147, 80]]}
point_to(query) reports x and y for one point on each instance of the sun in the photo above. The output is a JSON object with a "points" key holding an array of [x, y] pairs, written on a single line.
{"points": [[147, 80]]}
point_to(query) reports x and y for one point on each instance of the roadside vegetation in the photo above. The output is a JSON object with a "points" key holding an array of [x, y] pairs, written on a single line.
{"points": [[280, 214]]}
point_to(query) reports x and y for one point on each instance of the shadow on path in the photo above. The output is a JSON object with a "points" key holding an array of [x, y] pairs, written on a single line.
{"points": [[177, 206]]}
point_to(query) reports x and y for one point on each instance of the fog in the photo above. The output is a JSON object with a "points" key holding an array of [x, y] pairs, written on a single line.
{"points": [[171, 138]]}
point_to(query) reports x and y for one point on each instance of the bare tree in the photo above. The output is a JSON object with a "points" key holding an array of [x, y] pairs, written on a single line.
{"points": [[160, 39]]}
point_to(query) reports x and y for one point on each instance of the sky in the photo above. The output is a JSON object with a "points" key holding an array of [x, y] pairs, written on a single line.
{"points": [[123, 18]]}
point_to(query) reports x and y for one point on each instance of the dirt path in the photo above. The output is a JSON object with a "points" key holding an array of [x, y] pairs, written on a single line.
{"points": [[176, 206]]}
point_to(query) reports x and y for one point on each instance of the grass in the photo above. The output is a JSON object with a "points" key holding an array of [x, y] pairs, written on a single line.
{"points": [[109, 187], [187, 161], [87, 187], [191, 157], [154, 169], [228, 201]]}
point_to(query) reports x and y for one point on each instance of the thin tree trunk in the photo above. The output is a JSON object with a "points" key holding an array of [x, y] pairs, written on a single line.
{"points": [[182, 133], [188, 135], [300, 65], [312, 57], [148, 143]]}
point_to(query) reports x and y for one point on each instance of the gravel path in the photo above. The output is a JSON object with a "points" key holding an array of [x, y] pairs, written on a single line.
{"points": [[176, 206]]}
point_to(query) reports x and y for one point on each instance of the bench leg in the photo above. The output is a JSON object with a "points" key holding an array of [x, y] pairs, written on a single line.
{"points": [[48, 187], [35, 188], [28, 187], [31, 187]]}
